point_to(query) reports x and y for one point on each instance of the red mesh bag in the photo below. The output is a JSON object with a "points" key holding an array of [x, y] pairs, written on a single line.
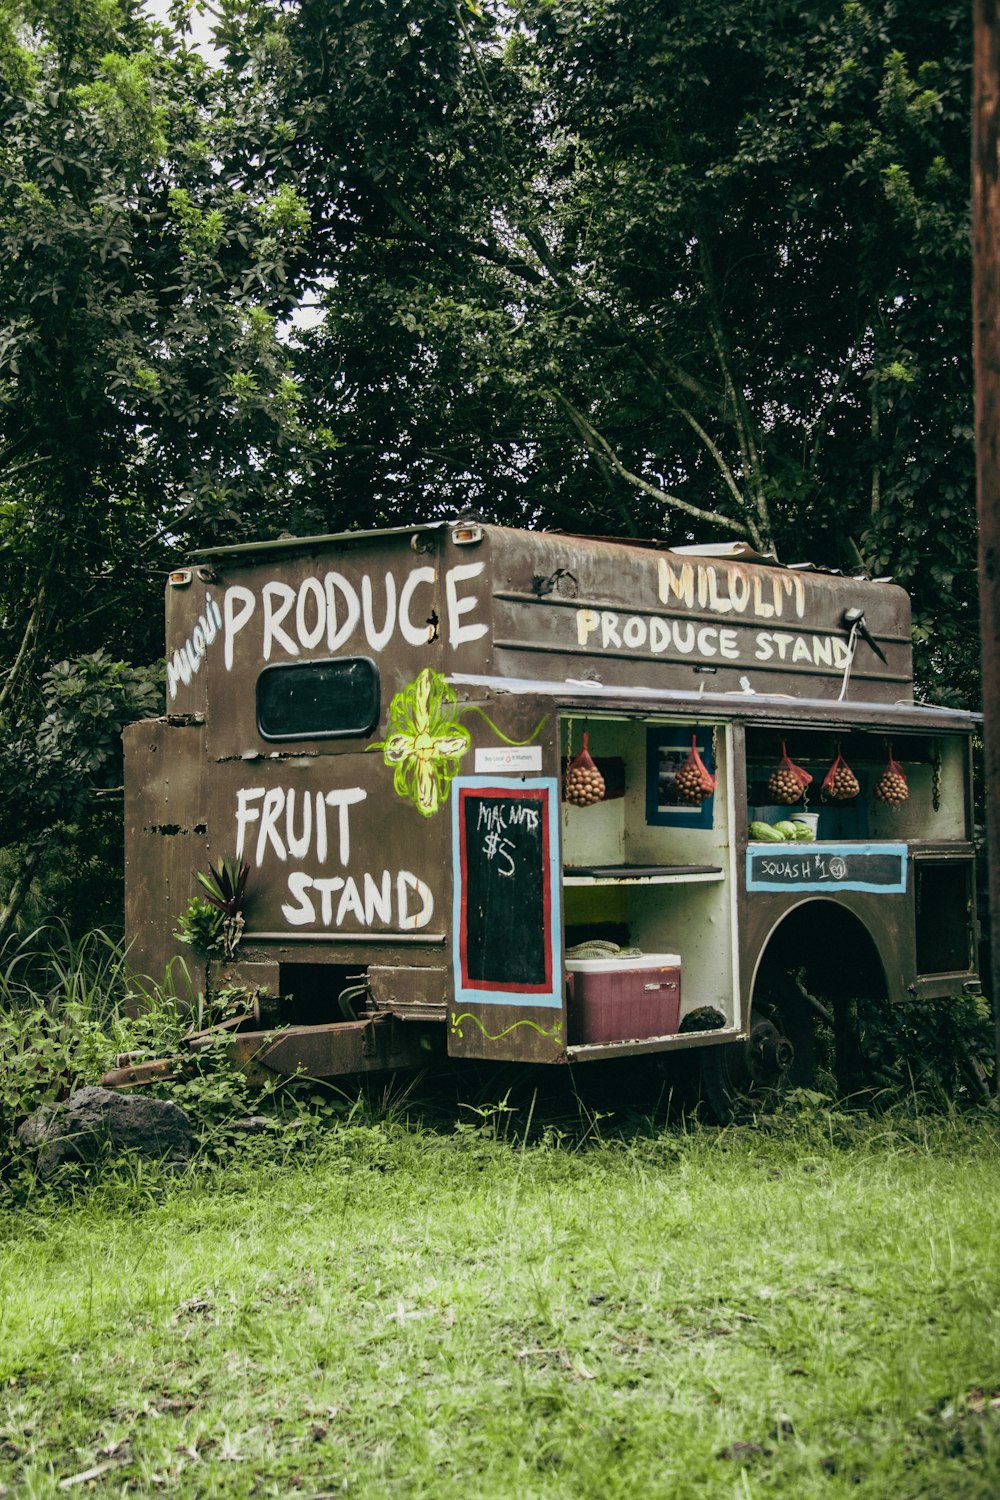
{"points": [[840, 783], [891, 786], [583, 784], [693, 784], [788, 782]]}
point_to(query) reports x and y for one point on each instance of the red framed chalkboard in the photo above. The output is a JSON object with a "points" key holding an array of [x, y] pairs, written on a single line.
{"points": [[507, 937]]}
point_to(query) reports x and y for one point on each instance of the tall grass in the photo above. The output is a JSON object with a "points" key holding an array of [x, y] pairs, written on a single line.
{"points": [[67, 1007]]}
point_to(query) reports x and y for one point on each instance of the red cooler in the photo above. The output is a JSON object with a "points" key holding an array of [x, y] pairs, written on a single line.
{"points": [[623, 999]]}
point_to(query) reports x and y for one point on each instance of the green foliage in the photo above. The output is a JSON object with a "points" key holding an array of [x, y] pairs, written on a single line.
{"points": [[942, 1050], [142, 369], [672, 269], [59, 761], [226, 885], [67, 1012], [200, 924], [625, 266]]}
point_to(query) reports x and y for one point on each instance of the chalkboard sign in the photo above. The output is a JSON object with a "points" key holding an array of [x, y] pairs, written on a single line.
{"points": [[506, 907], [876, 868]]}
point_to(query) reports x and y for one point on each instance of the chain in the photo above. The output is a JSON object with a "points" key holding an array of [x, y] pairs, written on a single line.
{"points": [[936, 780]]}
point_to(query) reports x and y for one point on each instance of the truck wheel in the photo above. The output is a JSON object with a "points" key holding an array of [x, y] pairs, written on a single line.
{"points": [[798, 1041], [740, 1077]]}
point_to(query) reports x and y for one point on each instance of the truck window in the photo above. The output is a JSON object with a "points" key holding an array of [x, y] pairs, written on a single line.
{"points": [[318, 699]]}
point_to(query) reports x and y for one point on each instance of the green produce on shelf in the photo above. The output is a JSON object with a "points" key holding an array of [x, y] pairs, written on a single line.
{"points": [[784, 832]]}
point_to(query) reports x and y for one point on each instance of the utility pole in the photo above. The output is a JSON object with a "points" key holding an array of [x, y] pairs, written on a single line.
{"points": [[986, 356]]}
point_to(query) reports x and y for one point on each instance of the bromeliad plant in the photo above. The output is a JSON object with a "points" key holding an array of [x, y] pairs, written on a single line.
{"points": [[214, 923]]}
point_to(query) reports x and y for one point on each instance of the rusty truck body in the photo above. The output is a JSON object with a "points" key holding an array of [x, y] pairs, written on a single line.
{"points": [[378, 724]]}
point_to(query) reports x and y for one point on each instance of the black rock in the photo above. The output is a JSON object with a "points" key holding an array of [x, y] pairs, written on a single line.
{"points": [[94, 1123]]}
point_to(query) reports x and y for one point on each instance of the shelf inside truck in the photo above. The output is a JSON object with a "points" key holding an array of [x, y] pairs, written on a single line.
{"points": [[639, 874]]}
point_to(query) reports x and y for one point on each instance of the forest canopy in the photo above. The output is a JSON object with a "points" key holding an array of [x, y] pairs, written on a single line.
{"points": [[692, 271]]}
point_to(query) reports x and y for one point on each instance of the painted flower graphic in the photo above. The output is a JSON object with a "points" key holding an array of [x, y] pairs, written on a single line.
{"points": [[427, 741]]}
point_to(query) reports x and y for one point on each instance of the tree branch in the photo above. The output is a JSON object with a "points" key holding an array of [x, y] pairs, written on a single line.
{"points": [[601, 448], [741, 416], [18, 892], [24, 652]]}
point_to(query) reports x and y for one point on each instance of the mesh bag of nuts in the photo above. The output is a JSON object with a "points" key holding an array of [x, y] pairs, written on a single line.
{"points": [[840, 783], [787, 782], [891, 786], [583, 784], [693, 784]]}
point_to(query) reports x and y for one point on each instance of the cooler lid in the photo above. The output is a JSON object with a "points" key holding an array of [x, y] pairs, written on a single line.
{"points": [[623, 965]]}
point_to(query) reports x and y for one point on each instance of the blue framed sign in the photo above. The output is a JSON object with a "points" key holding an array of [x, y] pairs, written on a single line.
{"points": [[506, 916], [879, 869]]}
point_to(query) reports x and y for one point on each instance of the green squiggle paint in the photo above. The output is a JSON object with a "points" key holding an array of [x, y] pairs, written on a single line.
{"points": [[456, 1026], [474, 708]]}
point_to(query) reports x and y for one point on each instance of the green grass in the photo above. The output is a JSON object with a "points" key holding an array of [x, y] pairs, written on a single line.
{"points": [[394, 1311]]}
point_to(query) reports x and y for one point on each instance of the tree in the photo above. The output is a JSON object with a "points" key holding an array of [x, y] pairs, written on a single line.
{"points": [[145, 391], [685, 269]]}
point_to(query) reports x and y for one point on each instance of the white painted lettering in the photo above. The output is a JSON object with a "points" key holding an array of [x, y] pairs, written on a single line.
{"points": [[378, 899], [459, 605], [350, 903], [659, 634], [327, 888], [304, 914], [677, 585], [587, 621], [278, 600], [310, 635], [409, 920], [337, 634], [274, 802], [321, 838], [238, 605], [178, 670], [729, 645], [609, 629], [634, 632], [684, 636], [345, 798], [715, 600], [298, 844], [739, 590], [760, 604], [246, 814], [379, 639], [414, 635]]}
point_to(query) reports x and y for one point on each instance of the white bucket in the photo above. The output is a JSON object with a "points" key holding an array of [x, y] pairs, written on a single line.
{"points": [[811, 820]]}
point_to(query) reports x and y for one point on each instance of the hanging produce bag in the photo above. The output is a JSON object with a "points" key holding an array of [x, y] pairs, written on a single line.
{"points": [[583, 784], [693, 784], [840, 783], [788, 782], [891, 786]]}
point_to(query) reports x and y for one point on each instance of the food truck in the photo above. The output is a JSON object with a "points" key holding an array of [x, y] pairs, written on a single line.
{"points": [[518, 795]]}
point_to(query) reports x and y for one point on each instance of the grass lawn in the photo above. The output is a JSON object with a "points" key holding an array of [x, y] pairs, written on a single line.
{"points": [[802, 1309]]}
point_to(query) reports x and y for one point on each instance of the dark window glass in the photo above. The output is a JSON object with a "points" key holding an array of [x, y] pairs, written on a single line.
{"points": [[316, 699], [944, 917]]}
